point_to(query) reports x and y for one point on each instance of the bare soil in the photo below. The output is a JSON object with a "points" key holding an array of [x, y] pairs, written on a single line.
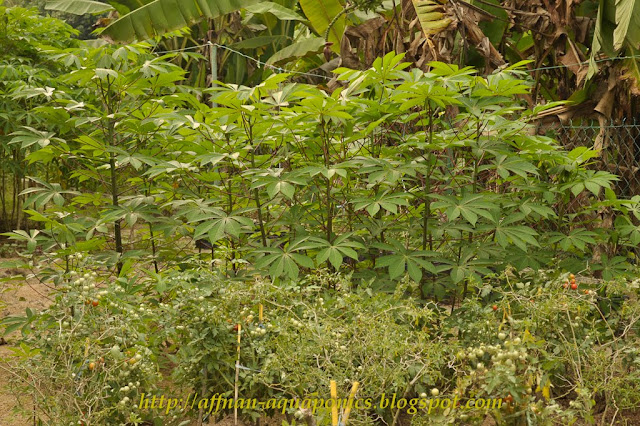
{"points": [[15, 297]]}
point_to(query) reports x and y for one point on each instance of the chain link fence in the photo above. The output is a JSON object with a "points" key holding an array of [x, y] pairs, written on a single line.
{"points": [[620, 145]]}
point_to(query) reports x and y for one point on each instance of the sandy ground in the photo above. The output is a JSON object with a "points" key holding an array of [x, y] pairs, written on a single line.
{"points": [[15, 297]]}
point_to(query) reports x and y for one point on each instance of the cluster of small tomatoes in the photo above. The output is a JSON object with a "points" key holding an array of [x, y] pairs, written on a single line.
{"points": [[571, 282]]}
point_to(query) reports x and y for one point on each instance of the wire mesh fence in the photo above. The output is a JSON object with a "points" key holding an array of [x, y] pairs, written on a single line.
{"points": [[619, 143]]}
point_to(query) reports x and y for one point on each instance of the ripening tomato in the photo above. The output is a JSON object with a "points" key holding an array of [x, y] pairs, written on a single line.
{"points": [[92, 366], [494, 307], [509, 399], [95, 303], [574, 286]]}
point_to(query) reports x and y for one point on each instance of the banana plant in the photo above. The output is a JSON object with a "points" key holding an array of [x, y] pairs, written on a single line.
{"points": [[617, 32], [271, 32]]}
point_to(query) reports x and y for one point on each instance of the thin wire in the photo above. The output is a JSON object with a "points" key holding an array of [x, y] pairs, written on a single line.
{"points": [[272, 67], [257, 61], [182, 49], [583, 63], [260, 63]]}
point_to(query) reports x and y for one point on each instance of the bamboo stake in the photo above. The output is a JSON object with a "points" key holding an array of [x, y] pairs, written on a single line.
{"points": [[213, 58], [334, 405], [235, 400], [347, 410]]}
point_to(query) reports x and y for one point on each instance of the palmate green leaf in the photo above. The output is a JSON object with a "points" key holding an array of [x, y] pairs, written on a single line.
{"points": [[617, 266], [327, 172], [631, 206], [41, 195], [170, 167], [283, 187], [162, 16], [520, 235], [32, 92], [396, 265], [321, 13], [384, 171], [508, 164], [106, 74], [468, 265], [582, 154], [280, 263], [275, 183], [403, 259], [78, 7], [297, 50], [225, 225], [628, 230], [577, 238], [211, 158], [425, 93], [470, 207], [331, 253], [32, 238], [334, 252], [31, 136], [384, 200], [284, 261], [136, 160], [452, 72], [10, 324], [196, 211], [591, 180], [497, 85], [528, 207]]}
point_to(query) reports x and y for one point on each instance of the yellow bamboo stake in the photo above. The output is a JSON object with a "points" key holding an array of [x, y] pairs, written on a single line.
{"points": [[260, 312], [334, 405], [347, 410], [235, 401]]}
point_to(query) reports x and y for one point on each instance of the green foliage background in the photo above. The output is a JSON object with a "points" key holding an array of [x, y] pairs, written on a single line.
{"points": [[381, 219]]}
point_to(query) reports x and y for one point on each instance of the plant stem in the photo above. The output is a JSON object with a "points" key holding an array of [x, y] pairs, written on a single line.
{"points": [[335, 19], [117, 229], [256, 197]]}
